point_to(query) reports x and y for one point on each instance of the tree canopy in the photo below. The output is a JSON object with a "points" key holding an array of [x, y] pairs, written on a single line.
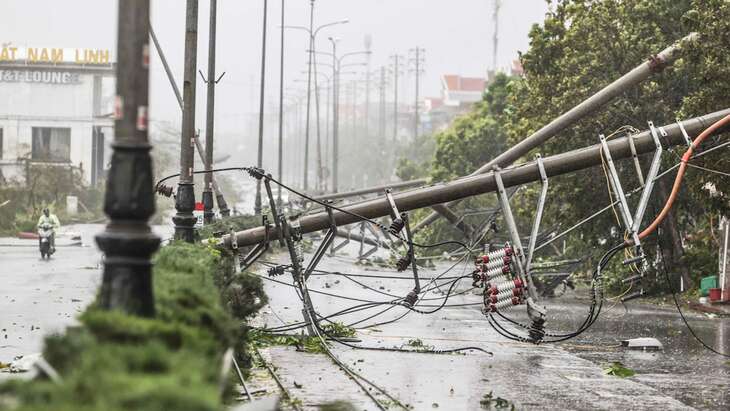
{"points": [[582, 46]]}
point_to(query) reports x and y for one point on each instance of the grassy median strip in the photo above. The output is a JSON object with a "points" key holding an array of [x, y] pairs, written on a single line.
{"points": [[114, 361]]}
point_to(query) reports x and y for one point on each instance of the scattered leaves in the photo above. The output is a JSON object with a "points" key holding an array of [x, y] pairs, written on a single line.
{"points": [[618, 370], [489, 401]]}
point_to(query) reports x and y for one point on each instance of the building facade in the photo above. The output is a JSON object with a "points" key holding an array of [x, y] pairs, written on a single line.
{"points": [[55, 109]]}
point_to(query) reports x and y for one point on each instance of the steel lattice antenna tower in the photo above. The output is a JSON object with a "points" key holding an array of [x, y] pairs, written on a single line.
{"points": [[495, 37]]}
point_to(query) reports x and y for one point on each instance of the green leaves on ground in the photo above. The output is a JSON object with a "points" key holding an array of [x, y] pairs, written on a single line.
{"points": [[261, 339], [489, 401], [338, 330], [618, 370]]}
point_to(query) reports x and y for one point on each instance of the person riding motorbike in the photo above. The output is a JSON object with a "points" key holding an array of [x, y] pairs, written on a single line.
{"points": [[50, 219]]}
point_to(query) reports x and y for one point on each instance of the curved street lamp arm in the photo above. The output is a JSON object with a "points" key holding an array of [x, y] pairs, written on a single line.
{"points": [[354, 53]]}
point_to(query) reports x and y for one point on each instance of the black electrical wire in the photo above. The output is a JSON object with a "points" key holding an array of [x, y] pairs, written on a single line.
{"points": [[373, 304], [199, 172], [593, 312], [430, 351], [679, 309]]}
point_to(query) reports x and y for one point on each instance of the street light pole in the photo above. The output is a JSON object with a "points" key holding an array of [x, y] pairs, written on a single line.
{"points": [[260, 162], [309, 97], [368, 45], [184, 219], [335, 117], [281, 110], [127, 241], [208, 213]]}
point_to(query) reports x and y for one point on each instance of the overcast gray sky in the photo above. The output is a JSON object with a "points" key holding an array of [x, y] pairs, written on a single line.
{"points": [[455, 33]]}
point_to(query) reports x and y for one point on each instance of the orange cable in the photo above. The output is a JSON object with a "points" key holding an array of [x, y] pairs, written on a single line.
{"points": [[680, 175]]}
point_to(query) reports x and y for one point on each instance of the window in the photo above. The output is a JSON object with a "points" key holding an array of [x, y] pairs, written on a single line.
{"points": [[1, 143], [51, 144]]}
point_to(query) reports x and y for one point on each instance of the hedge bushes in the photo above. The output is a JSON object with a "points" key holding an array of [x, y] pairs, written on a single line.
{"points": [[114, 361]]}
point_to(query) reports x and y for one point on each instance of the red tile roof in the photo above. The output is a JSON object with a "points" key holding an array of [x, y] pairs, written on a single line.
{"points": [[457, 83]]}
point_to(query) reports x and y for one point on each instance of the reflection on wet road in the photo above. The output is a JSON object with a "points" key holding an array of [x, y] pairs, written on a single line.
{"points": [[560, 376]]}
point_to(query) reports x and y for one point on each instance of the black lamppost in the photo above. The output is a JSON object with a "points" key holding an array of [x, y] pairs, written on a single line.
{"points": [[127, 241]]}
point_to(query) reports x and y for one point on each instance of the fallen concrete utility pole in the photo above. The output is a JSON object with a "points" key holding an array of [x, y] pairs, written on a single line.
{"points": [[371, 190], [485, 183], [653, 65], [222, 204]]}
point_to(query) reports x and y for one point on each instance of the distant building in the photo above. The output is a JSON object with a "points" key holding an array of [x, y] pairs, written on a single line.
{"points": [[458, 96], [460, 91], [56, 109]]}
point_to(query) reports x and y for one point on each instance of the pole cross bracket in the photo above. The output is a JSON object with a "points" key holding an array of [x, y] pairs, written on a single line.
{"points": [[205, 80], [259, 249], [400, 221], [535, 312], [326, 242]]}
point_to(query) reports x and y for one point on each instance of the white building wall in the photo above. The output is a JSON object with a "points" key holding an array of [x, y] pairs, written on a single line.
{"points": [[27, 105]]}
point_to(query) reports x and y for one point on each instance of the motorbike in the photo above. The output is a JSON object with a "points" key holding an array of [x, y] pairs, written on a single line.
{"points": [[45, 232]]}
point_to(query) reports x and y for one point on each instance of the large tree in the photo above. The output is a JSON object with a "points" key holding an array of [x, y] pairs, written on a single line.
{"points": [[582, 46]]}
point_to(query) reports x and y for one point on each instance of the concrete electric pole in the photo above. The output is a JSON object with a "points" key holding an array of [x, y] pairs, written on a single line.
{"points": [[211, 81], [417, 60], [396, 68], [185, 200], [128, 242], [280, 167], [260, 161]]}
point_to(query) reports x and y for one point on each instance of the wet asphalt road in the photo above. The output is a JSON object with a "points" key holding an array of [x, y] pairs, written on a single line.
{"points": [[39, 297], [560, 376]]}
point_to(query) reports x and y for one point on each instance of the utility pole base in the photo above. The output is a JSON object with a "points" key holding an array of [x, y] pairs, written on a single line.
{"points": [[184, 219], [208, 213]]}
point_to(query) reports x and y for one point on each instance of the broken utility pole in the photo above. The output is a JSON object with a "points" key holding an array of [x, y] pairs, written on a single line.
{"points": [[480, 184], [127, 241], [652, 65], [185, 200]]}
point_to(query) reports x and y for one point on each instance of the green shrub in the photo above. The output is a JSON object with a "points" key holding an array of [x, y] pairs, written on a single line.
{"points": [[115, 361]]}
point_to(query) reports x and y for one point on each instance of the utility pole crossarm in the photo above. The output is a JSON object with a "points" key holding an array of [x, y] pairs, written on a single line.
{"points": [[470, 186]]}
